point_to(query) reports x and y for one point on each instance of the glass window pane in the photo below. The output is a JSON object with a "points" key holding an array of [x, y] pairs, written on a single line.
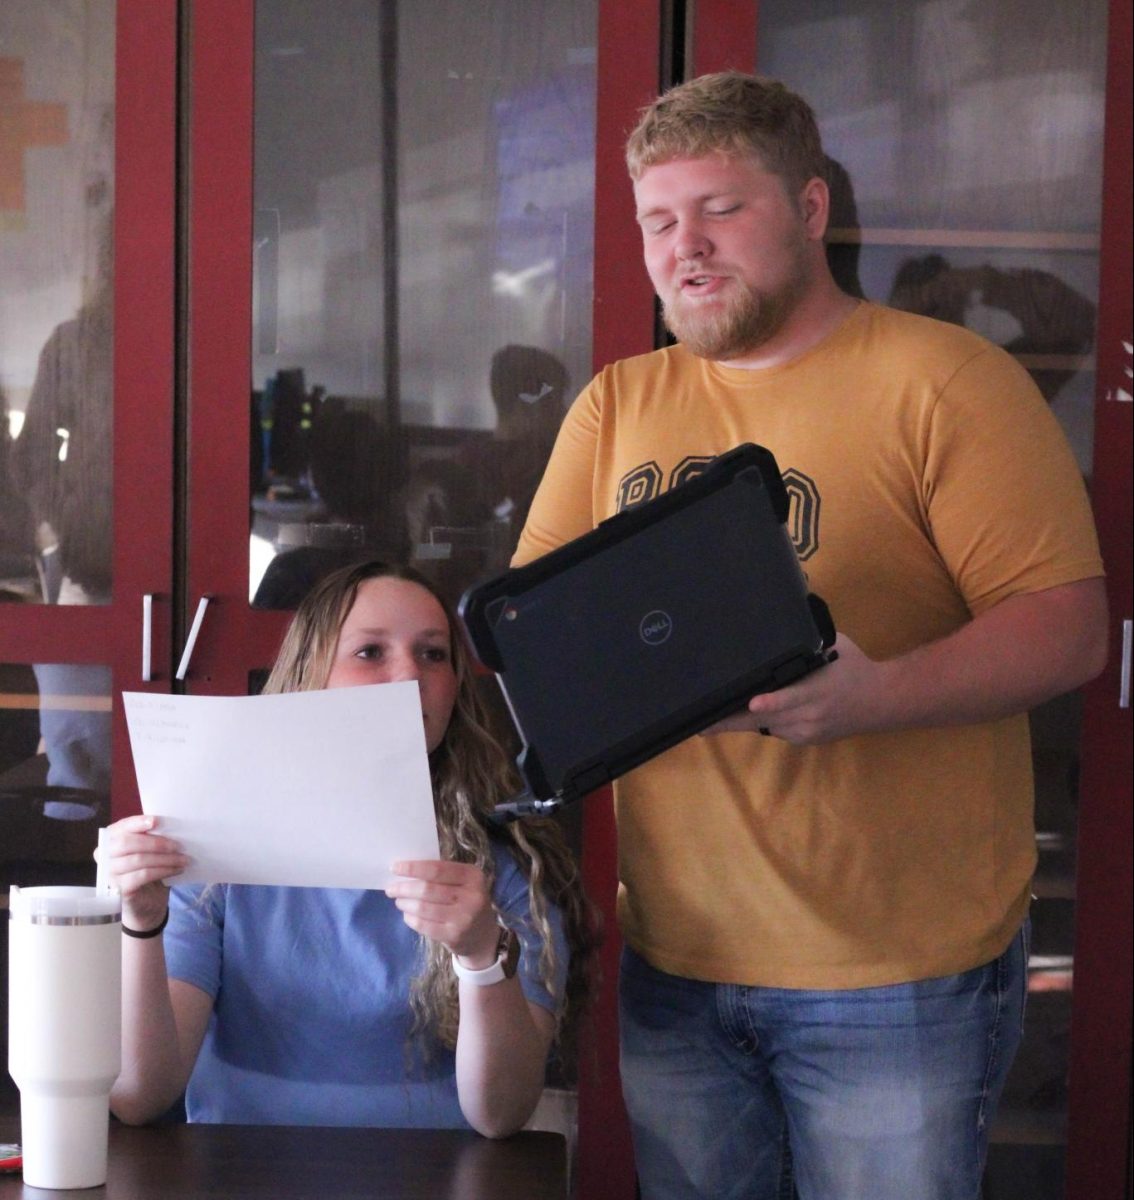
{"points": [[55, 724], [56, 255], [966, 168], [422, 287]]}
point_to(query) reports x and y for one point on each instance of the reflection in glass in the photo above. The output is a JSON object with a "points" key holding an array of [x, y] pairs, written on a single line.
{"points": [[56, 256], [967, 150], [422, 278], [55, 737], [953, 115]]}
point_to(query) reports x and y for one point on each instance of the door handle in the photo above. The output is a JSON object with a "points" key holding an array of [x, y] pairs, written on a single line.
{"points": [[147, 637], [1124, 678], [191, 640]]}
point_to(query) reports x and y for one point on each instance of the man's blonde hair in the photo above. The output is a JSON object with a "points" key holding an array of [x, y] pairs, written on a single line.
{"points": [[736, 114]]}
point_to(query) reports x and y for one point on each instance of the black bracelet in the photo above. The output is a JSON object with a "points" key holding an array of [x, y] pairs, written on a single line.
{"points": [[147, 933]]}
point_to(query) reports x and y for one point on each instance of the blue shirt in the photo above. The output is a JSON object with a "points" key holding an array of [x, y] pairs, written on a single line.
{"points": [[311, 1018]]}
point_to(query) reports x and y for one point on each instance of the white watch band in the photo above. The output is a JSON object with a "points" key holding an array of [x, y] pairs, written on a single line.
{"points": [[508, 951], [493, 973]]}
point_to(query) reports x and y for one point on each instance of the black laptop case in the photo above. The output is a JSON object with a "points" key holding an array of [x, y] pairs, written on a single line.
{"points": [[633, 637]]}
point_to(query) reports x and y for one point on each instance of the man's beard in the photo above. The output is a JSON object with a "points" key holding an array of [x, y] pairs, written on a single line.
{"points": [[738, 324]]}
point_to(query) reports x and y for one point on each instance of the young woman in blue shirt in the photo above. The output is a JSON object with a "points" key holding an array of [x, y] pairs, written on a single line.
{"points": [[434, 1003]]}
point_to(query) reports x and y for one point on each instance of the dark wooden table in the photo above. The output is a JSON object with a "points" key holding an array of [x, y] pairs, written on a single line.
{"points": [[266, 1162]]}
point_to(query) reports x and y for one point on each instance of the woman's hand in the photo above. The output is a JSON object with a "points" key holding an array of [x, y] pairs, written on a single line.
{"points": [[503, 1038], [449, 902], [137, 863], [163, 1020]]}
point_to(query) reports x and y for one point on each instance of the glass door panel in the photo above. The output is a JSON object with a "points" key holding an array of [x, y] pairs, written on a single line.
{"points": [[56, 419], [966, 148], [56, 297], [86, 370], [406, 292], [421, 278], [86, 301]]}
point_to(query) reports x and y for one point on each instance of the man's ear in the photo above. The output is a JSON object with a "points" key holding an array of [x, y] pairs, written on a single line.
{"points": [[815, 207]]}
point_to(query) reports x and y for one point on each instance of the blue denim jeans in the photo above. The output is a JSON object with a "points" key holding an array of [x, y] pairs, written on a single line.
{"points": [[882, 1093]]}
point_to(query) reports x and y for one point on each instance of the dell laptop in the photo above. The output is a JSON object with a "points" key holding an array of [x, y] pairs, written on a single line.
{"points": [[648, 629]]}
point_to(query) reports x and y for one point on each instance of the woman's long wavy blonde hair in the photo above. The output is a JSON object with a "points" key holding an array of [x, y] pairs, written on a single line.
{"points": [[471, 772]]}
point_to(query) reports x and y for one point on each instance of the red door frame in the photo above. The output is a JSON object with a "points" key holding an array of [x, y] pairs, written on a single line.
{"points": [[629, 39], [144, 290], [234, 637], [723, 36], [1099, 1100], [144, 356]]}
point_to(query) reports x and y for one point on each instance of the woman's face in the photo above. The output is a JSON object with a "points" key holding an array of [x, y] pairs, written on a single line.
{"points": [[396, 630]]}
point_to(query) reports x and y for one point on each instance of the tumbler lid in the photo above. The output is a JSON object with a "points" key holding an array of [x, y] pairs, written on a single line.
{"points": [[62, 905]]}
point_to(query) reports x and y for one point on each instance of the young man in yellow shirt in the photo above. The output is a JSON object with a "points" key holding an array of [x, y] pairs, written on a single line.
{"points": [[824, 900]]}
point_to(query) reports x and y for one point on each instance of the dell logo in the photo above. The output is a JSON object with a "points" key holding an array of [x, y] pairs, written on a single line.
{"points": [[655, 627]]}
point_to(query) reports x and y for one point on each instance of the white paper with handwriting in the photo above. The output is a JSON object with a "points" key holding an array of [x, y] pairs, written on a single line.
{"points": [[305, 789]]}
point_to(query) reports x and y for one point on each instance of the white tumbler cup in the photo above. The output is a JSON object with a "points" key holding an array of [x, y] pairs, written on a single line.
{"points": [[64, 1032]]}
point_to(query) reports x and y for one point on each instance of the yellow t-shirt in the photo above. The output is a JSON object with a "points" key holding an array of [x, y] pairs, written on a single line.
{"points": [[928, 482]]}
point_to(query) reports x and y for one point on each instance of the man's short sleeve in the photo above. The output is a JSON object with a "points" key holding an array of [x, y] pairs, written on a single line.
{"points": [[1006, 501]]}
